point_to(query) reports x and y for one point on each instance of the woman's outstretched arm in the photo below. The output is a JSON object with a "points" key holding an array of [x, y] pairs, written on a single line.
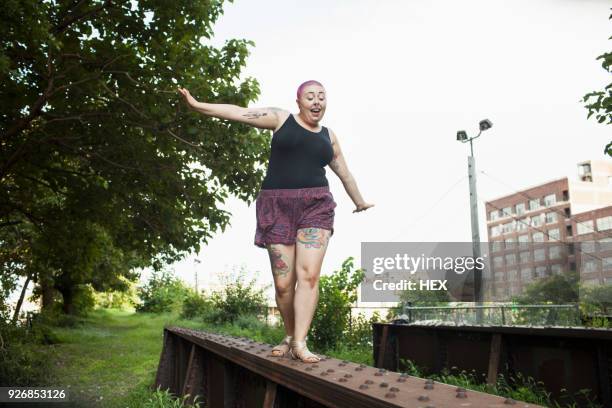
{"points": [[338, 165], [263, 118]]}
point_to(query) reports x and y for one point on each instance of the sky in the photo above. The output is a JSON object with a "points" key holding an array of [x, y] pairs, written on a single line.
{"points": [[402, 77]]}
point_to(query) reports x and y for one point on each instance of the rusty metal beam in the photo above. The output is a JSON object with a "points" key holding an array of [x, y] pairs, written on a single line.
{"points": [[250, 377]]}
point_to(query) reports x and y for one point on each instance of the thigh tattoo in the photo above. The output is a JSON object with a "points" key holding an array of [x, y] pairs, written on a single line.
{"points": [[313, 237], [280, 266]]}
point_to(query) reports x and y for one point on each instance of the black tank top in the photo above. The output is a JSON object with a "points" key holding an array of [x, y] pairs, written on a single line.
{"points": [[298, 157]]}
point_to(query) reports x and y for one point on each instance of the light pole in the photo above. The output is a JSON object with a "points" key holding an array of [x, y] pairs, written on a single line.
{"points": [[462, 136], [196, 262]]}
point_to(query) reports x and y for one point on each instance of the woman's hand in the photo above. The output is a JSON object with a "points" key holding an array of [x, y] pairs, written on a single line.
{"points": [[189, 100], [362, 207]]}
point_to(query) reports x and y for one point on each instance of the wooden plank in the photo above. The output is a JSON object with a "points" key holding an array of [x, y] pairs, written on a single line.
{"points": [[382, 348], [494, 358], [270, 397]]}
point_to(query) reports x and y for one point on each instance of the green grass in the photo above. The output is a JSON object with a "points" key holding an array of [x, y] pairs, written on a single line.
{"points": [[110, 358]]}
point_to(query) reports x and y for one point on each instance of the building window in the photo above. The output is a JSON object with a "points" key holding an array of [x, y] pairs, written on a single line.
{"points": [[525, 257], [499, 276], [587, 247], [495, 231], [508, 227], [591, 282], [538, 237], [496, 246], [526, 274], [554, 252], [604, 223], [536, 220], [523, 224], [584, 227], [507, 212], [607, 263], [553, 234], [520, 209], [589, 265], [534, 204], [539, 255], [498, 261], [523, 241], [512, 275], [510, 259], [551, 217], [550, 199], [494, 215], [541, 271], [556, 269]]}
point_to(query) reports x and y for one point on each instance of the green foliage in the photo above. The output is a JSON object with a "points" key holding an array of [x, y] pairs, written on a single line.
{"points": [[102, 167], [237, 298], [24, 362], [599, 103], [337, 293], [557, 290], [118, 299], [196, 306], [360, 331], [596, 300], [165, 399], [162, 293], [419, 297]]}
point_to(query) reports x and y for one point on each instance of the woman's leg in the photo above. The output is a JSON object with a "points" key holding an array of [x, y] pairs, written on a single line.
{"points": [[311, 245], [282, 261]]}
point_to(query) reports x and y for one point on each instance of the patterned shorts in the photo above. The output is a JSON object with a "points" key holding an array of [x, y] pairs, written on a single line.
{"points": [[281, 212]]}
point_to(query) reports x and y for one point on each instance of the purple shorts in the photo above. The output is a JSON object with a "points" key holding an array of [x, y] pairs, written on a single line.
{"points": [[281, 212]]}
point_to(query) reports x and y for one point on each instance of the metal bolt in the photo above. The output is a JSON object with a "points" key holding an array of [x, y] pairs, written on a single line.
{"points": [[308, 368], [423, 398], [390, 395], [330, 370], [428, 386], [461, 394], [323, 373], [384, 384], [368, 382], [348, 375], [460, 389], [394, 389], [509, 401], [401, 379], [358, 369], [343, 379], [363, 387]]}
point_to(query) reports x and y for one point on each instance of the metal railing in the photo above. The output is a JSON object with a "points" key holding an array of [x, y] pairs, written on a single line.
{"points": [[496, 315]]}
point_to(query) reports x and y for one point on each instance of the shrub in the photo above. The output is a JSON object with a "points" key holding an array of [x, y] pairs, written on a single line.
{"points": [[237, 297], [163, 293], [196, 306], [118, 299], [337, 292]]}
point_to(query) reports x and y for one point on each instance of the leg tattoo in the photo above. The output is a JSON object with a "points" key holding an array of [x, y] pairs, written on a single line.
{"points": [[312, 237], [280, 267]]}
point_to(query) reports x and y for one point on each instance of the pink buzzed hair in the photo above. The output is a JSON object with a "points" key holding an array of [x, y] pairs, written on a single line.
{"points": [[305, 84]]}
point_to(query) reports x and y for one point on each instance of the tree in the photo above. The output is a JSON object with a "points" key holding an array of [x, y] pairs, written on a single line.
{"points": [[599, 103], [98, 157]]}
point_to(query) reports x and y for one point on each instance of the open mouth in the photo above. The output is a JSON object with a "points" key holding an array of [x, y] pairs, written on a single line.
{"points": [[316, 110]]}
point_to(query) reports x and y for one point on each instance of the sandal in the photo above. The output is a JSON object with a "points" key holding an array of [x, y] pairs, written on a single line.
{"points": [[282, 349], [299, 351]]}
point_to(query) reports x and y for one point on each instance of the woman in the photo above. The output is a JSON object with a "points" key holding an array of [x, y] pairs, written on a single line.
{"points": [[295, 209]]}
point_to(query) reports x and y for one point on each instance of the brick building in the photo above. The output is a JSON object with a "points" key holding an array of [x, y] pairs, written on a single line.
{"points": [[559, 226]]}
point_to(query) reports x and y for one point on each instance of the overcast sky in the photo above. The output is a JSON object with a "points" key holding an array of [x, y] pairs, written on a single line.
{"points": [[401, 78]]}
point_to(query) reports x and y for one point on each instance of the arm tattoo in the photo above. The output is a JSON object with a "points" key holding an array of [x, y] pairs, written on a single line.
{"points": [[261, 112], [334, 164]]}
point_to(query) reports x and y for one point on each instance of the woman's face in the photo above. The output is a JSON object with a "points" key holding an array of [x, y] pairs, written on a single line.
{"points": [[312, 103]]}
